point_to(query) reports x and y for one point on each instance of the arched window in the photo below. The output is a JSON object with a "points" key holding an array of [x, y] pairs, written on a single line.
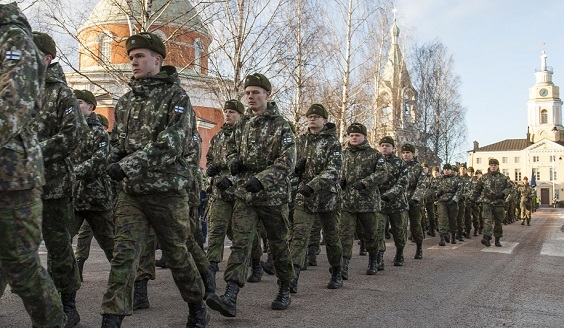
{"points": [[198, 49], [544, 116], [105, 47]]}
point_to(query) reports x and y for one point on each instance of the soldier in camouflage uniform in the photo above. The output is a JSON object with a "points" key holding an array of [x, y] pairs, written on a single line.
{"points": [[492, 190], [262, 155], [448, 191], [364, 171], [92, 194], [152, 123], [464, 220], [430, 203], [415, 193], [510, 204], [525, 191], [473, 206], [21, 172], [58, 127], [318, 167]]}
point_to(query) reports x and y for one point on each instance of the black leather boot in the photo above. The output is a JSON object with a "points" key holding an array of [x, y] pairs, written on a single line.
{"points": [[294, 282], [497, 243], [80, 263], [419, 252], [161, 263], [311, 257], [453, 238], [111, 320], [459, 236], [209, 283], [268, 266], [140, 297], [362, 251], [69, 307], [372, 264], [256, 271], [198, 315], [282, 300], [380, 260], [225, 304], [442, 242], [486, 240], [447, 237], [345, 269], [336, 279], [398, 259]]}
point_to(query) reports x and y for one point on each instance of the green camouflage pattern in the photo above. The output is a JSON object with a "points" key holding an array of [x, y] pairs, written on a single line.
{"points": [[417, 181], [447, 187], [322, 152], [367, 165], [152, 123], [192, 155], [217, 156], [493, 188], [22, 77], [92, 191], [58, 126], [265, 143], [394, 187], [220, 220], [525, 194], [368, 222]]}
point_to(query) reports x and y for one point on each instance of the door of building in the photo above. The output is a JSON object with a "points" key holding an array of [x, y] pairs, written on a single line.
{"points": [[545, 196]]}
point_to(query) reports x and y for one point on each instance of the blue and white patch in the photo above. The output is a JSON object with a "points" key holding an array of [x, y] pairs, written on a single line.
{"points": [[288, 140], [195, 137], [337, 153], [179, 109], [69, 110], [13, 55], [102, 144], [381, 160]]}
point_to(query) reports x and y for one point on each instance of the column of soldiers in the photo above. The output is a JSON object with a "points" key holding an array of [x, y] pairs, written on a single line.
{"points": [[58, 159]]}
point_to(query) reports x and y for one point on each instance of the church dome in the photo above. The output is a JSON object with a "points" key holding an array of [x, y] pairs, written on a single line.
{"points": [[177, 13]]}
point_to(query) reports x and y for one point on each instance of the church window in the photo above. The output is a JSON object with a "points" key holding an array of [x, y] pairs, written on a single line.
{"points": [[105, 46], [544, 116], [517, 174], [198, 49]]}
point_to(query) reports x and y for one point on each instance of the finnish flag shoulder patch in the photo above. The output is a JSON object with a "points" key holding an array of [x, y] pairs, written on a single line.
{"points": [[179, 109], [13, 55]]}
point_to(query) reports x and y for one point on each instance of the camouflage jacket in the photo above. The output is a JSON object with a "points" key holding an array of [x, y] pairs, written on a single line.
{"points": [[22, 76], [430, 195], [152, 123], [217, 156], [467, 189], [493, 188], [471, 186], [367, 165], [417, 182], [193, 154], [448, 187], [92, 191], [322, 152], [58, 126], [265, 143], [395, 186], [525, 192]]}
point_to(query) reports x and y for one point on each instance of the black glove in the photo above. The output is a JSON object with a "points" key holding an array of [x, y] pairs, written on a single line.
{"points": [[223, 184], [343, 183], [359, 186], [306, 191], [413, 202], [212, 170], [115, 172], [386, 198], [253, 185], [451, 202], [236, 166], [300, 166]]}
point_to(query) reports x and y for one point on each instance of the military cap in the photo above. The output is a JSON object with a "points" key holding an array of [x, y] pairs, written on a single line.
{"points": [[103, 120], [435, 168], [146, 40], [478, 171], [357, 128], [317, 109], [470, 169], [45, 43], [447, 166], [493, 161], [388, 140], [462, 165], [525, 178], [235, 105], [424, 164], [408, 147], [258, 80], [86, 96]]}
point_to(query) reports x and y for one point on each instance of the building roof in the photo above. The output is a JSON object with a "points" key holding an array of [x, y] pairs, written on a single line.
{"points": [[506, 145]]}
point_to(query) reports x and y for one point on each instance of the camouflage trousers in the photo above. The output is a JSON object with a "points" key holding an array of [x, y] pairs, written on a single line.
{"points": [[468, 218], [447, 217], [58, 221], [193, 244], [301, 230], [431, 215], [196, 227], [167, 214], [146, 269], [460, 216], [245, 222], [525, 206], [510, 209], [476, 216], [415, 214], [493, 220], [368, 229], [84, 239], [398, 223], [20, 266], [101, 224]]}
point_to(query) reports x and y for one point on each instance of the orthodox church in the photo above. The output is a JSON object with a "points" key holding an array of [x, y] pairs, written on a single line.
{"points": [[541, 154]]}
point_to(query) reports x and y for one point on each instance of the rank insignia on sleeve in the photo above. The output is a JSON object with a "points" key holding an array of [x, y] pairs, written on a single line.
{"points": [[68, 111], [179, 109], [288, 140], [101, 144], [13, 55]]}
